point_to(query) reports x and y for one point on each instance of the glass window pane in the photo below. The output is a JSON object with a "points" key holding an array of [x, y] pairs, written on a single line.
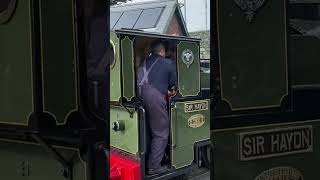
{"points": [[128, 19], [114, 17], [149, 18]]}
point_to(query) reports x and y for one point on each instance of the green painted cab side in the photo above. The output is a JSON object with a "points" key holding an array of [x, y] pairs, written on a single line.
{"points": [[16, 59], [115, 77], [28, 161], [252, 63], [128, 75], [188, 77], [58, 59], [184, 137], [128, 139]]}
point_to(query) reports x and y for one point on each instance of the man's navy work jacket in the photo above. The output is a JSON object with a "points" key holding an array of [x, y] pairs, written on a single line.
{"points": [[163, 75]]}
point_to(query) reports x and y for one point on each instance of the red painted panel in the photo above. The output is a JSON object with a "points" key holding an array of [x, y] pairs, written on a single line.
{"points": [[123, 169]]}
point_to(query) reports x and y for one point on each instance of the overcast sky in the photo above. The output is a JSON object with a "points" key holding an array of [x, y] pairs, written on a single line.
{"points": [[196, 13]]}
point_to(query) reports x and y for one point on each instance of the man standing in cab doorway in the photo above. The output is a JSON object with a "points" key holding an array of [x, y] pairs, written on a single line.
{"points": [[156, 80]]}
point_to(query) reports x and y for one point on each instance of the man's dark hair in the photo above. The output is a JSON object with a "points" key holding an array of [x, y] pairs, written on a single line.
{"points": [[157, 46]]}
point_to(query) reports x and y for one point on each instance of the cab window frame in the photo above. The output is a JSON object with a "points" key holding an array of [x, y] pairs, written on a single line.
{"points": [[112, 47]]}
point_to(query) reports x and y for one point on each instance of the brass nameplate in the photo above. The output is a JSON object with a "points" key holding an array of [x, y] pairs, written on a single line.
{"points": [[275, 142], [196, 121]]}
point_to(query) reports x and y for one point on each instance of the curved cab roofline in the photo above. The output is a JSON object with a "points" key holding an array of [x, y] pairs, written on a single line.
{"points": [[152, 34]]}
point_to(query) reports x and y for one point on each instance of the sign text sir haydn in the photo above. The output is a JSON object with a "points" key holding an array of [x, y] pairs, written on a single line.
{"points": [[275, 142], [196, 106]]}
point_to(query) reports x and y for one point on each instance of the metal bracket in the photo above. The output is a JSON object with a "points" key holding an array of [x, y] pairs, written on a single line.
{"points": [[131, 113], [67, 172]]}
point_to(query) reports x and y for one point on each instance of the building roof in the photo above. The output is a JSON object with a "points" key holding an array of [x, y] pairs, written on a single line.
{"points": [[152, 16]]}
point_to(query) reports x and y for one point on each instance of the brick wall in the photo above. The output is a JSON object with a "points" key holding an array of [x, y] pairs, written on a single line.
{"points": [[205, 43], [174, 27]]}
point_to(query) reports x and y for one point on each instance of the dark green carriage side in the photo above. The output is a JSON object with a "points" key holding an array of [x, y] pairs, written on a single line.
{"points": [[59, 64], [267, 143], [23, 159], [44, 80], [42, 72], [17, 54], [272, 155], [246, 66], [32, 55]]}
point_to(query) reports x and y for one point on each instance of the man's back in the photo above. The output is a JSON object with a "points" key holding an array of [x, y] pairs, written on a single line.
{"points": [[155, 77], [163, 75]]}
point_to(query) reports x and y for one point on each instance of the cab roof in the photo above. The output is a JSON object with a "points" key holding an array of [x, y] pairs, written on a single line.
{"points": [[154, 35], [152, 16]]}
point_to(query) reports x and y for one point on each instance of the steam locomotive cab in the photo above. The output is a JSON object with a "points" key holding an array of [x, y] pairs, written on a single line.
{"points": [[188, 111]]}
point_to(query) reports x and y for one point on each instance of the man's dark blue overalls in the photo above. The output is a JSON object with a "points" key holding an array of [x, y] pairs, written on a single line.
{"points": [[155, 77]]}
